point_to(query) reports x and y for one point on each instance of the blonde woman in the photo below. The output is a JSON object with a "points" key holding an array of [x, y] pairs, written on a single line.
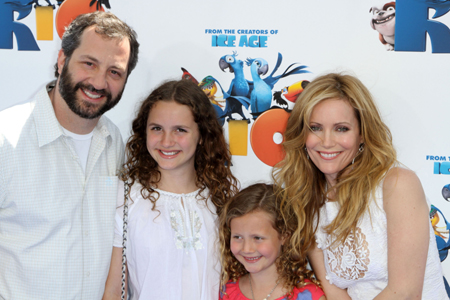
{"points": [[362, 218]]}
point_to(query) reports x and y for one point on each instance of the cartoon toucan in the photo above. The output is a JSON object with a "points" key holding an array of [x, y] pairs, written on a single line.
{"points": [[288, 95]]}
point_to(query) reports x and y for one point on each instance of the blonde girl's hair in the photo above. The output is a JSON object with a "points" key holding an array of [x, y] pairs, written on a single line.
{"points": [[305, 187], [291, 266]]}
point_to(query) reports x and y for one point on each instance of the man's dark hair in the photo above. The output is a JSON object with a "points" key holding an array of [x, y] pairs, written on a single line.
{"points": [[107, 25]]}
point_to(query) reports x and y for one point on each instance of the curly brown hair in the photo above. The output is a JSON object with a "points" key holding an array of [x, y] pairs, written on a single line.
{"points": [[212, 156], [291, 265]]}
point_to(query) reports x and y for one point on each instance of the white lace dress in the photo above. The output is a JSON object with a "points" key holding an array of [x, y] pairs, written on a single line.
{"points": [[360, 264], [173, 253]]}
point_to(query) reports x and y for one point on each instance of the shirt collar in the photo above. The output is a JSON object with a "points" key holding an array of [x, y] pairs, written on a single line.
{"points": [[48, 128], [47, 125]]}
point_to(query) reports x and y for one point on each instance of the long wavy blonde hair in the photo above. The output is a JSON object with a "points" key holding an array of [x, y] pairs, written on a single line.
{"points": [[291, 267], [305, 187]]}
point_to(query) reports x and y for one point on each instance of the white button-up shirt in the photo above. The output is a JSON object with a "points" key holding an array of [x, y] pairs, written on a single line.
{"points": [[56, 222]]}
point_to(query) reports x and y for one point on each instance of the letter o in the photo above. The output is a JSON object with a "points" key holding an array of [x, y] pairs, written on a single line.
{"points": [[266, 125]]}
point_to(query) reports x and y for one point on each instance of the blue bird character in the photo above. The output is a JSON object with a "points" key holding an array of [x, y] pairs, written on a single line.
{"points": [[271, 80], [233, 104], [446, 192], [442, 241], [261, 94], [239, 85]]}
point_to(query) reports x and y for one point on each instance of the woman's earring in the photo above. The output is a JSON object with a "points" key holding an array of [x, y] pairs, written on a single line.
{"points": [[360, 150], [307, 154]]}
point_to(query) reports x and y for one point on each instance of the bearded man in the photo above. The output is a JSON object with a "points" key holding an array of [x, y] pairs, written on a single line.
{"points": [[59, 161]]}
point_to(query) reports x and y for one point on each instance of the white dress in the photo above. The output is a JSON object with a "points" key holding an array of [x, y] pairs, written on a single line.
{"points": [[173, 253], [360, 264]]}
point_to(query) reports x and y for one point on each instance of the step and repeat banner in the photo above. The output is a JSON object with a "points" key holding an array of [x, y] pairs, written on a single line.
{"points": [[400, 51]]}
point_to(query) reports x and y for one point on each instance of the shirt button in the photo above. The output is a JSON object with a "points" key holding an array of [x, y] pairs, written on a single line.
{"points": [[88, 273], [86, 233]]}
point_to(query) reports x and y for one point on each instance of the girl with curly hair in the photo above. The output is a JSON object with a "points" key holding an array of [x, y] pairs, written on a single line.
{"points": [[179, 178], [259, 260], [362, 218]]}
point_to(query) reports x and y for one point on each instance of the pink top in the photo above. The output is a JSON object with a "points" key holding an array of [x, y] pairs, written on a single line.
{"points": [[308, 292]]}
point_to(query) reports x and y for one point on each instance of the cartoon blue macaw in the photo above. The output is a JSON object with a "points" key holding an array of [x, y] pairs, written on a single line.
{"points": [[271, 80], [261, 94], [233, 105], [239, 85], [446, 192], [240, 90], [261, 89], [442, 245]]}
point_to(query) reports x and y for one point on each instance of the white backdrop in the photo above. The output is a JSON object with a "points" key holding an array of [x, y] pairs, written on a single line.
{"points": [[411, 88]]}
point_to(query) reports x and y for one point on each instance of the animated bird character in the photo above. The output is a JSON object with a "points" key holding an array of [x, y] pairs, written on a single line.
{"points": [[261, 94], [239, 85], [188, 76], [288, 95], [208, 85], [261, 89], [36, 3], [233, 105], [442, 241], [446, 192], [209, 88], [271, 80]]}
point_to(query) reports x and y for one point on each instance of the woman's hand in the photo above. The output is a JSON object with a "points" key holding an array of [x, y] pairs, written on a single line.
{"points": [[332, 292]]}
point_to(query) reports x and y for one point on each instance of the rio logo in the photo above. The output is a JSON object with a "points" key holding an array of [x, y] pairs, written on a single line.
{"points": [[67, 11]]}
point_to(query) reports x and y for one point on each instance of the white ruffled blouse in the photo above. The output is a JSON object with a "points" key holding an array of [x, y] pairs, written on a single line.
{"points": [[172, 251], [360, 263]]}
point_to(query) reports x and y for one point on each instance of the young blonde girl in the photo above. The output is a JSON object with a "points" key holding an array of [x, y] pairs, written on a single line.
{"points": [[257, 254], [178, 170]]}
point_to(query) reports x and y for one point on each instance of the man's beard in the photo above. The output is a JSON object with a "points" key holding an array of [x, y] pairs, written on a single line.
{"points": [[82, 108]]}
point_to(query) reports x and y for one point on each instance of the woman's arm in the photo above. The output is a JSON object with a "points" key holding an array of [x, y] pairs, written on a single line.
{"points": [[113, 287], [317, 263], [407, 234]]}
